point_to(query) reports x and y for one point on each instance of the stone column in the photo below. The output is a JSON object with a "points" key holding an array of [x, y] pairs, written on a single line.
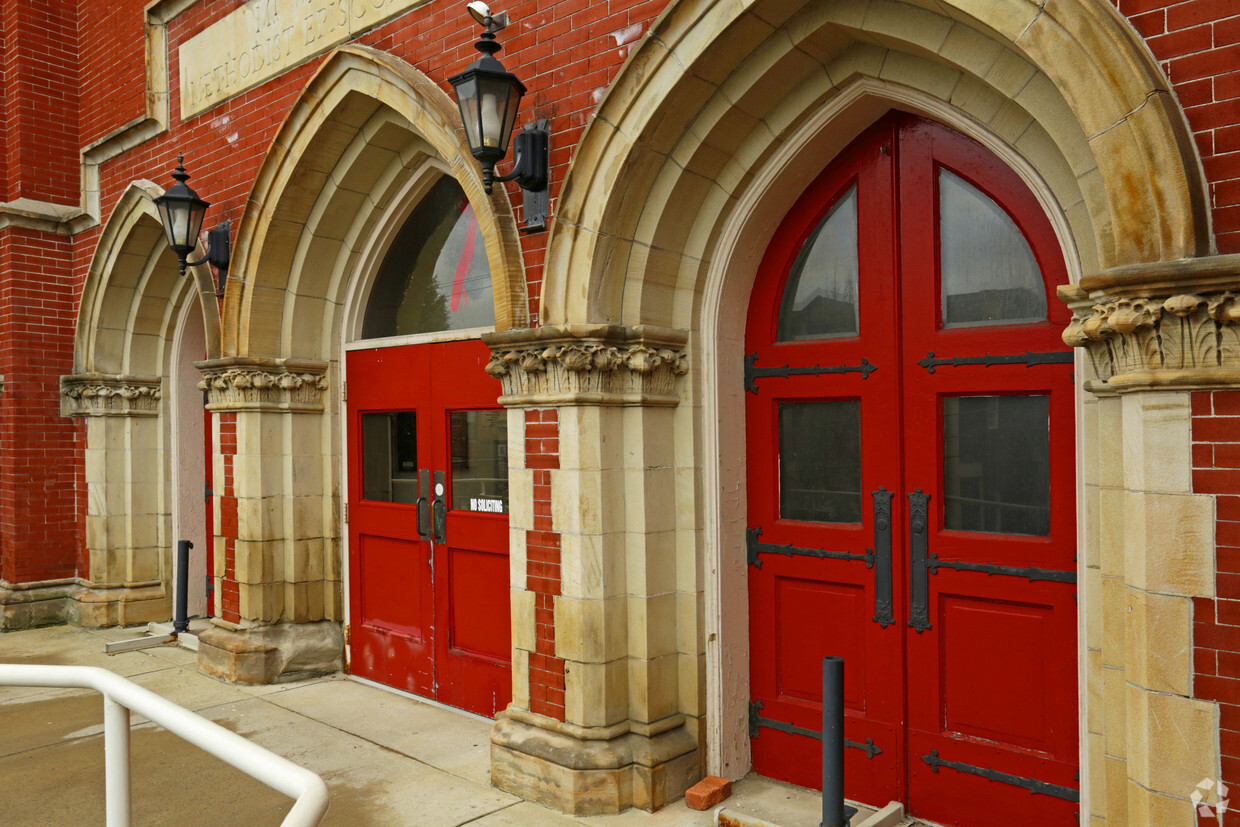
{"points": [[600, 648], [277, 548], [1153, 336], [128, 514]]}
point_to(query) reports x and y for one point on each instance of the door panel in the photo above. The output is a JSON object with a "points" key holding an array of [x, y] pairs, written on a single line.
{"points": [[952, 400], [429, 599]]}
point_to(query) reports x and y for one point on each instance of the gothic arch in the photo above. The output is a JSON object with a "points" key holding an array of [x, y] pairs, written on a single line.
{"points": [[704, 103], [364, 130], [132, 299]]}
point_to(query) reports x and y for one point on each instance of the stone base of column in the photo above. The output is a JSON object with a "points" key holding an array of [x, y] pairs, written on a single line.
{"points": [[30, 605], [593, 770], [95, 606], [271, 654]]}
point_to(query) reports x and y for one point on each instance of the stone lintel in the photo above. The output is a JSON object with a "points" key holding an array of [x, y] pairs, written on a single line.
{"points": [[541, 761], [594, 364], [1169, 325], [271, 654], [107, 394], [247, 383]]}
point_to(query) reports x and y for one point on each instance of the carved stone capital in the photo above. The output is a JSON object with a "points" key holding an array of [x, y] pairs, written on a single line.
{"points": [[239, 383], [588, 365], [1169, 325], [105, 394]]}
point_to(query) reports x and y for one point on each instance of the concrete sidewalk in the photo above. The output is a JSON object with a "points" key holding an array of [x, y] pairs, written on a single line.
{"points": [[387, 759]]}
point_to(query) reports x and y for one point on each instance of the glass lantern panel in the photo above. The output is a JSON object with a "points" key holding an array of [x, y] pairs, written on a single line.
{"points": [[467, 101], [820, 297], [988, 272], [435, 275], [510, 116]]}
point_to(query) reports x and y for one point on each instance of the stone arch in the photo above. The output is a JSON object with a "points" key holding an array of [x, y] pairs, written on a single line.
{"points": [[131, 301], [124, 315], [368, 135], [366, 127], [707, 137], [704, 102]]}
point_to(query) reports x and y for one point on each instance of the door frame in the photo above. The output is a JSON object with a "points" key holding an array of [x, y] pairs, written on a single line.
{"points": [[354, 311], [725, 305]]}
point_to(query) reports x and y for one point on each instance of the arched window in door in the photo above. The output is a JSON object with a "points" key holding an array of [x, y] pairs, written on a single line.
{"points": [[435, 276]]}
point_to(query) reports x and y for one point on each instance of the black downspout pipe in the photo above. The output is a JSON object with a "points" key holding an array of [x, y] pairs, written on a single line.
{"points": [[180, 623], [834, 813]]}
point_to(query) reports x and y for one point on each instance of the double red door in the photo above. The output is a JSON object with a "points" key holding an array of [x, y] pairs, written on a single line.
{"points": [[428, 524], [911, 485]]}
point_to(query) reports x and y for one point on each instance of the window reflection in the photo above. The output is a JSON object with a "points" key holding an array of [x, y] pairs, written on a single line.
{"points": [[435, 275], [479, 445], [989, 274], [996, 464], [820, 298], [390, 457], [820, 461]]}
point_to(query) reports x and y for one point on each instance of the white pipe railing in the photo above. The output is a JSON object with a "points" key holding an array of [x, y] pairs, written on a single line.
{"points": [[121, 695]]}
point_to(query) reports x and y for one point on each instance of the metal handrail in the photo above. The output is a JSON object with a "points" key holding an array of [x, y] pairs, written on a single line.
{"points": [[121, 695]]}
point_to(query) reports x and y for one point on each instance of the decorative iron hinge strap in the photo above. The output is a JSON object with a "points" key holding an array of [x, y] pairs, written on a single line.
{"points": [[756, 720], [756, 547], [1027, 359], [753, 373], [1030, 573], [1033, 785]]}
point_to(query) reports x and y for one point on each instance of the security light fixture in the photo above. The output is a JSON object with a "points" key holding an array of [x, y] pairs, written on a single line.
{"points": [[181, 211], [488, 97]]}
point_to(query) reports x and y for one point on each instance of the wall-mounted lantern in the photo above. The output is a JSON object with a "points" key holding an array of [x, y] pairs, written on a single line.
{"points": [[488, 97], [181, 211]]}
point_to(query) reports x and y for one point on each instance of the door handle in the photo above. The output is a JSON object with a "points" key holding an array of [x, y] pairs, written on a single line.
{"points": [[424, 504], [882, 557], [919, 572], [439, 511]]}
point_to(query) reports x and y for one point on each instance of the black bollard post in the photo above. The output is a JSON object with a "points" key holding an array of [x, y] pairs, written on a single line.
{"points": [[180, 622], [834, 813]]}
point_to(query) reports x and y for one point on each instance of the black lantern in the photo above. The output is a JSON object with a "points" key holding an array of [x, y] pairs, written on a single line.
{"points": [[489, 97], [181, 212]]}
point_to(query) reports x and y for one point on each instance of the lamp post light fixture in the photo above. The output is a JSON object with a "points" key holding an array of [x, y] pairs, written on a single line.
{"points": [[181, 212], [488, 97]]}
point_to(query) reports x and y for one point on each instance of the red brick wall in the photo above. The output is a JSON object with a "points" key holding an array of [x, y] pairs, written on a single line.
{"points": [[542, 566], [113, 66], [40, 459], [1198, 44], [41, 111], [230, 602], [1216, 622]]}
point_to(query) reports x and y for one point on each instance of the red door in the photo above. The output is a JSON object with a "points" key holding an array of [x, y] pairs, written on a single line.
{"points": [[428, 524], [911, 479]]}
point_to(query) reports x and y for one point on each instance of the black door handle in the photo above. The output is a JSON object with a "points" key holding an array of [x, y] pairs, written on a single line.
{"points": [[882, 557], [919, 573], [439, 511], [424, 504]]}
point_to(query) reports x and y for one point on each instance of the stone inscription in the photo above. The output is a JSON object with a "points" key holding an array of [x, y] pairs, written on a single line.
{"points": [[264, 37]]}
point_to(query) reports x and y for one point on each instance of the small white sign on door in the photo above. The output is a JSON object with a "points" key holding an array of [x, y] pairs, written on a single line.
{"points": [[486, 504]]}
